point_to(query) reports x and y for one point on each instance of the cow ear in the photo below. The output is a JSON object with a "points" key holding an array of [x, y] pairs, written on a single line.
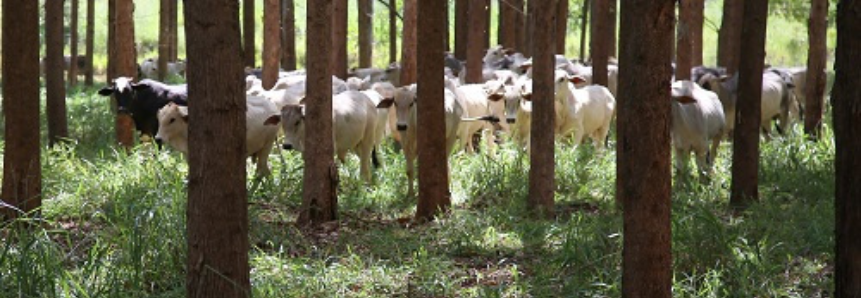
{"points": [[526, 96], [724, 78], [302, 101], [137, 86], [509, 51], [107, 91], [386, 103], [525, 67], [577, 80], [685, 99], [496, 96], [183, 112], [272, 120]]}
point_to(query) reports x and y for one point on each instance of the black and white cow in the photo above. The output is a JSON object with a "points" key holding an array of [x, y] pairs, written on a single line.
{"points": [[143, 99]]}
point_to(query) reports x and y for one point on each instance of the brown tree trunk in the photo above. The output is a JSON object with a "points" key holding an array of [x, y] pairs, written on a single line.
{"points": [[685, 46], [393, 31], [126, 64], [366, 32], [217, 210], [529, 29], [434, 195], [90, 39], [611, 29], [696, 28], [542, 182], [112, 41], [474, 54], [584, 24], [22, 170], [174, 31], [319, 184], [846, 97], [461, 25], [339, 38], [486, 37], [815, 85], [163, 38], [271, 42], [54, 85], [72, 77], [745, 146], [288, 37], [508, 31], [643, 152], [600, 41], [729, 35], [248, 33], [519, 24], [561, 26], [410, 42]]}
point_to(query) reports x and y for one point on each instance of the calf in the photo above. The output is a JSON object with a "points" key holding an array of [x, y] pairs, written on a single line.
{"points": [[697, 118], [142, 100], [586, 111], [261, 129], [354, 119]]}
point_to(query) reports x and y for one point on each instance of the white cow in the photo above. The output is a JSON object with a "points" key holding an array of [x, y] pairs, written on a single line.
{"points": [[354, 120], [586, 111], [475, 103], [776, 99], [149, 68], [697, 118], [261, 129]]}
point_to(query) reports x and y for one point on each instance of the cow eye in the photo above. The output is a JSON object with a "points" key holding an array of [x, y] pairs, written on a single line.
{"points": [[172, 120]]}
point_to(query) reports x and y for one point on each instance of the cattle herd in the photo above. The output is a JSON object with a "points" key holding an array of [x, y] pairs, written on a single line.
{"points": [[372, 105]]}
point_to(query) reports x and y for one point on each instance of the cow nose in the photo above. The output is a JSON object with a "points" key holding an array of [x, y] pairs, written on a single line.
{"points": [[510, 120], [288, 146], [158, 141], [402, 127]]}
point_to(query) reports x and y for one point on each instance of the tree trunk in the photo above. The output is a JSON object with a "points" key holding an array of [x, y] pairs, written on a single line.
{"points": [[163, 38], [410, 41], [174, 31], [447, 42], [248, 32], [584, 23], [366, 32], [611, 29], [508, 33], [54, 85], [529, 29], [474, 53], [643, 151], [519, 24], [561, 26], [846, 97], [319, 184], [542, 182], [745, 153], [22, 170], [461, 31], [696, 28], [486, 38], [271, 42], [685, 46], [339, 38], [91, 21], [600, 42], [217, 210], [815, 85], [729, 35], [288, 37], [393, 31], [112, 42], [126, 65], [73, 44], [434, 195]]}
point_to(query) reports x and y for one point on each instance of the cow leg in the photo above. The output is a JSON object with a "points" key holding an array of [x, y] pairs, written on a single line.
{"points": [[374, 158], [681, 161]]}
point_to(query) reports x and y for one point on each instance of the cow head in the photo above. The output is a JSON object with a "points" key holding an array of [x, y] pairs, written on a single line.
{"points": [[404, 100], [173, 127], [123, 88], [683, 92], [293, 124]]}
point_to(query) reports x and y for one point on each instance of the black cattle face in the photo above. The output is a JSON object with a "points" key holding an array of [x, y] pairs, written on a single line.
{"points": [[123, 89]]}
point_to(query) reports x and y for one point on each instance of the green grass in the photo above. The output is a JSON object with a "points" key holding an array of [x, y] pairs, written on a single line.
{"points": [[113, 226]]}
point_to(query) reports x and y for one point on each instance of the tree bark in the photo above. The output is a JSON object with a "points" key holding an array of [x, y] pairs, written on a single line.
{"points": [[611, 29], [434, 195], [474, 54], [217, 199], [393, 31], [339, 38], [90, 39], [561, 26], [366, 32], [847, 127], [600, 46], [248, 33], [519, 24], [163, 38], [72, 77], [288, 37], [542, 184], [685, 45], [729, 35], [529, 29], [815, 85], [584, 23], [126, 65], [174, 31], [696, 27], [643, 152], [22, 176], [410, 42], [271, 42], [461, 31], [745, 157], [486, 37], [508, 31], [112, 42], [319, 184], [55, 88]]}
